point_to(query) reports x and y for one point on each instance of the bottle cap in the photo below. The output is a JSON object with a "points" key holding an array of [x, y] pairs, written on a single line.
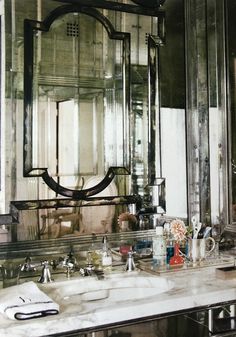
{"points": [[159, 230], [104, 239], [167, 226]]}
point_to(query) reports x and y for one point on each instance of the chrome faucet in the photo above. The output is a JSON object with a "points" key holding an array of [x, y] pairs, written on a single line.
{"points": [[28, 266], [130, 265], [46, 273], [69, 263]]}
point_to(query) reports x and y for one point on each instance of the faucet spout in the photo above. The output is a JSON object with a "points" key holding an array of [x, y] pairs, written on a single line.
{"points": [[46, 274], [130, 265]]}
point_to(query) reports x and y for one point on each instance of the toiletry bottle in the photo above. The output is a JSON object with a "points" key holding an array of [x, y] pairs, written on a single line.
{"points": [[169, 242], [159, 247], [94, 253], [106, 254]]}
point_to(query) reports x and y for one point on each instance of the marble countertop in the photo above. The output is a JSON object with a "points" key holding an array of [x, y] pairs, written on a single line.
{"points": [[191, 290]]}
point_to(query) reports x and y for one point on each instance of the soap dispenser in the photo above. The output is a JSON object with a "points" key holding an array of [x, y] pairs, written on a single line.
{"points": [[106, 254]]}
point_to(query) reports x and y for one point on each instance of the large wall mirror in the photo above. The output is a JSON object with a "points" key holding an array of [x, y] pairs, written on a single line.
{"points": [[88, 96], [231, 99]]}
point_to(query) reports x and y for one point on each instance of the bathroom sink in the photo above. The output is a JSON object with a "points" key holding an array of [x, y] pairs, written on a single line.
{"points": [[88, 292]]}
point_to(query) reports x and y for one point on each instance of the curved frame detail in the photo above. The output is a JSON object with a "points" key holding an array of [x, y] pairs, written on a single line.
{"points": [[83, 194], [30, 26]]}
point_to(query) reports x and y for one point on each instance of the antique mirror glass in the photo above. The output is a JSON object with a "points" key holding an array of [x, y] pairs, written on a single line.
{"points": [[82, 119], [231, 62], [71, 86]]}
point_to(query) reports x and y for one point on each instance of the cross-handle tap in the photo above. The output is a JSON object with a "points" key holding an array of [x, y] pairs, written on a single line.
{"points": [[69, 263], [28, 266], [90, 270]]}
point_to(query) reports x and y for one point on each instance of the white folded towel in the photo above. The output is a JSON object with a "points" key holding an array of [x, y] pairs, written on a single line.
{"points": [[26, 301]]}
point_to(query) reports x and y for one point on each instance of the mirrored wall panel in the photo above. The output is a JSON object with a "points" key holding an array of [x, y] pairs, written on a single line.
{"points": [[231, 62]]}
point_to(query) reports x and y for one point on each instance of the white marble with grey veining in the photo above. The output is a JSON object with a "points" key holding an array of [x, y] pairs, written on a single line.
{"points": [[191, 289]]}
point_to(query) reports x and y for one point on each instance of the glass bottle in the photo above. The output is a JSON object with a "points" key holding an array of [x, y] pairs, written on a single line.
{"points": [[169, 243], [159, 247], [106, 254], [176, 260]]}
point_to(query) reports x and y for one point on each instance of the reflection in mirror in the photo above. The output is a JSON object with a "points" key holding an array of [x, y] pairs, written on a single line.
{"points": [[70, 126], [77, 100], [79, 108], [139, 158], [172, 115], [231, 12], [78, 91]]}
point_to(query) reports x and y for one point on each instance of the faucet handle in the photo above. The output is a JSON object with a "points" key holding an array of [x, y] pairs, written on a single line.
{"points": [[90, 270], [68, 263], [71, 259], [28, 266]]}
